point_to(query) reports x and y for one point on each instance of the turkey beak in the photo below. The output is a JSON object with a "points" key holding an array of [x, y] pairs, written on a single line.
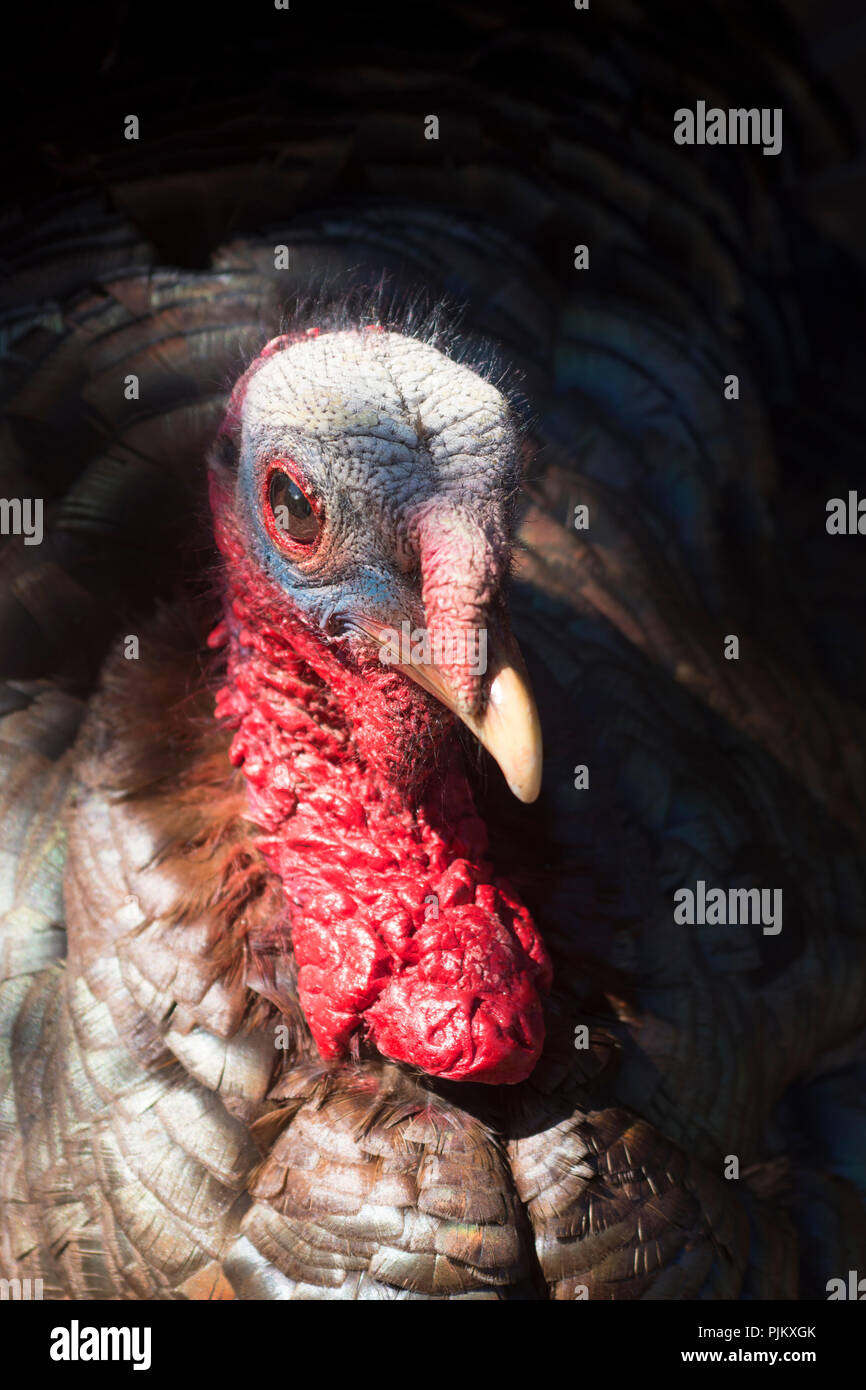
{"points": [[506, 723]]}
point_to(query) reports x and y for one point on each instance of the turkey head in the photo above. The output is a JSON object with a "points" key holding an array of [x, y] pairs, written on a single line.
{"points": [[362, 487]]}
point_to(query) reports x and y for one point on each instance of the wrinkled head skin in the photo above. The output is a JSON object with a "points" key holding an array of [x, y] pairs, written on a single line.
{"points": [[363, 487]]}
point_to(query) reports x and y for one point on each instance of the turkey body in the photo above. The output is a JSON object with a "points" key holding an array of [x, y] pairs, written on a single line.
{"points": [[695, 1125]]}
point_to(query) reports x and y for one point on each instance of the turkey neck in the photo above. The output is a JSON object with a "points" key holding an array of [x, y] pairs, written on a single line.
{"points": [[402, 933]]}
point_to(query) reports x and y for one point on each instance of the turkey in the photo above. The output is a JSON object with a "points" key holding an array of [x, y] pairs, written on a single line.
{"points": [[369, 701]]}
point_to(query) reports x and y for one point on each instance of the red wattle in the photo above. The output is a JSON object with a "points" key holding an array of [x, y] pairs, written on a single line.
{"points": [[401, 931]]}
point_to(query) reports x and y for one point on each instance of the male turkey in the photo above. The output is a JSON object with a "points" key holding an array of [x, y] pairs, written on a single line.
{"points": [[298, 1000]]}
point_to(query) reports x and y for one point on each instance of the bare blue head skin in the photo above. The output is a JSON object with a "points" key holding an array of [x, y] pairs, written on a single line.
{"points": [[410, 463]]}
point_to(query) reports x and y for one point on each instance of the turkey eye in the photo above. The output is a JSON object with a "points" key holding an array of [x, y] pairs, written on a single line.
{"points": [[293, 515]]}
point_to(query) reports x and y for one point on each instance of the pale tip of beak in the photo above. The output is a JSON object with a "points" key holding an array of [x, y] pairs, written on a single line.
{"points": [[510, 730]]}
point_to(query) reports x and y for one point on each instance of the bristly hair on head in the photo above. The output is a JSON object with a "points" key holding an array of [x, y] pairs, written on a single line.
{"points": [[347, 301]]}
